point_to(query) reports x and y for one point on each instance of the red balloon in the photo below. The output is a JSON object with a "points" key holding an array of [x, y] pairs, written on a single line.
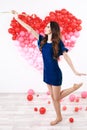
{"points": [[64, 11], [14, 37], [77, 99], [76, 109], [10, 30], [35, 109], [42, 110], [30, 97], [79, 28], [71, 120], [84, 94], [64, 108], [17, 29]]}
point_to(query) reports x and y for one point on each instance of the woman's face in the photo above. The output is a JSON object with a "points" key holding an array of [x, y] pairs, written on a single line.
{"points": [[47, 29]]}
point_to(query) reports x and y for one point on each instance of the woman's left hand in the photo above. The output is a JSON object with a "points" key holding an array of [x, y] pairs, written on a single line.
{"points": [[80, 74]]}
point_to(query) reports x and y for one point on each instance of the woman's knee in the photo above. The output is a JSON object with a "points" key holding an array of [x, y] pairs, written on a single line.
{"points": [[56, 99]]}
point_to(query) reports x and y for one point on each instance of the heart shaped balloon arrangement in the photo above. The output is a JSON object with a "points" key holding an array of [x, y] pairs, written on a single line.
{"points": [[70, 28]]}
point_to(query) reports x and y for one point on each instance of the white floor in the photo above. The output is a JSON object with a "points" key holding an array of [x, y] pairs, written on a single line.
{"points": [[17, 113]]}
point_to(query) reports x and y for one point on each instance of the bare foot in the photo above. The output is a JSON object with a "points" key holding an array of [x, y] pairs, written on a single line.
{"points": [[77, 86], [56, 121]]}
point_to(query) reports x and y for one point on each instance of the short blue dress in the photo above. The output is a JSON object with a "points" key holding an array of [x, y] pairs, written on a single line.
{"points": [[52, 74]]}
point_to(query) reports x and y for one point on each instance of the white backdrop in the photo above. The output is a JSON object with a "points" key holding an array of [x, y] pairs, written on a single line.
{"points": [[16, 75]]}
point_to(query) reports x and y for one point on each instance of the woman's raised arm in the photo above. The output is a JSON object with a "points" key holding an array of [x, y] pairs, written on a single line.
{"points": [[26, 26]]}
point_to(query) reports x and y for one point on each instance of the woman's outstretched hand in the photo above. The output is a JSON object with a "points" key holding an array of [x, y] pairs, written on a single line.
{"points": [[14, 12], [80, 74]]}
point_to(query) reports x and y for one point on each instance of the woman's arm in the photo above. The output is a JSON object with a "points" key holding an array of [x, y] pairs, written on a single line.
{"points": [[26, 26], [68, 60]]}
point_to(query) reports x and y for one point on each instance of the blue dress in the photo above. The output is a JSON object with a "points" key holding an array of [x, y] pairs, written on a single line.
{"points": [[51, 73]]}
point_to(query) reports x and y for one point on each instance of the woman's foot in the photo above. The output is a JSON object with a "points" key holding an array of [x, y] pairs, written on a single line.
{"points": [[56, 121], [77, 86]]}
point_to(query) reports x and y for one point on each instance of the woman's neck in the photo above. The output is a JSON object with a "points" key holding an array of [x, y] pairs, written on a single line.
{"points": [[49, 38]]}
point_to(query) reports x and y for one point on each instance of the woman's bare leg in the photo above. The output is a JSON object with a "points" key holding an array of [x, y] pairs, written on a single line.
{"points": [[56, 102], [51, 91], [68, 91], [55, 94]]}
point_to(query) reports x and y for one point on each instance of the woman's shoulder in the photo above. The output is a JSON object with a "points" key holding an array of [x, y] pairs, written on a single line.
{"points": [[62, 46], [61, 42], [41, 37]]}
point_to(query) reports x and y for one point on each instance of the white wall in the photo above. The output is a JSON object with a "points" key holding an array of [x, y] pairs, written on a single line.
{"points": [[16, 75]]}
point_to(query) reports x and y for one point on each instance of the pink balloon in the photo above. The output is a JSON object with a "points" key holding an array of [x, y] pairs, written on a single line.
{"points": [[48, 93], [84, 94], [20, 39], [67, 37], [72, 97], [27, 34], [22, 33], [26, 42], [76, 34], [31, 92]]}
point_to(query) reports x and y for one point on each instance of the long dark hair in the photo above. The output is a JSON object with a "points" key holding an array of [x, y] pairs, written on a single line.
{"points": [[56, 36]]}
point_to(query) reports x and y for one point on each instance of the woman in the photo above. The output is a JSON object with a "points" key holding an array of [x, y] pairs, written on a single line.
{"points": [[52, 47]]}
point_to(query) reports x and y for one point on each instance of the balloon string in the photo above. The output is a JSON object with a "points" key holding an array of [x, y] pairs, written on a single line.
{"points": [[5, 12]]}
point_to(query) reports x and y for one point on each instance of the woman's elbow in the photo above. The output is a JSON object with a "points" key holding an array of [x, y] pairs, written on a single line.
{"points": [[65, 54]]}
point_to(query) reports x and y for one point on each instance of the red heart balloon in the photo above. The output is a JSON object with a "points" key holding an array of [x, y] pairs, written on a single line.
{"points": [[70, 28]]}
